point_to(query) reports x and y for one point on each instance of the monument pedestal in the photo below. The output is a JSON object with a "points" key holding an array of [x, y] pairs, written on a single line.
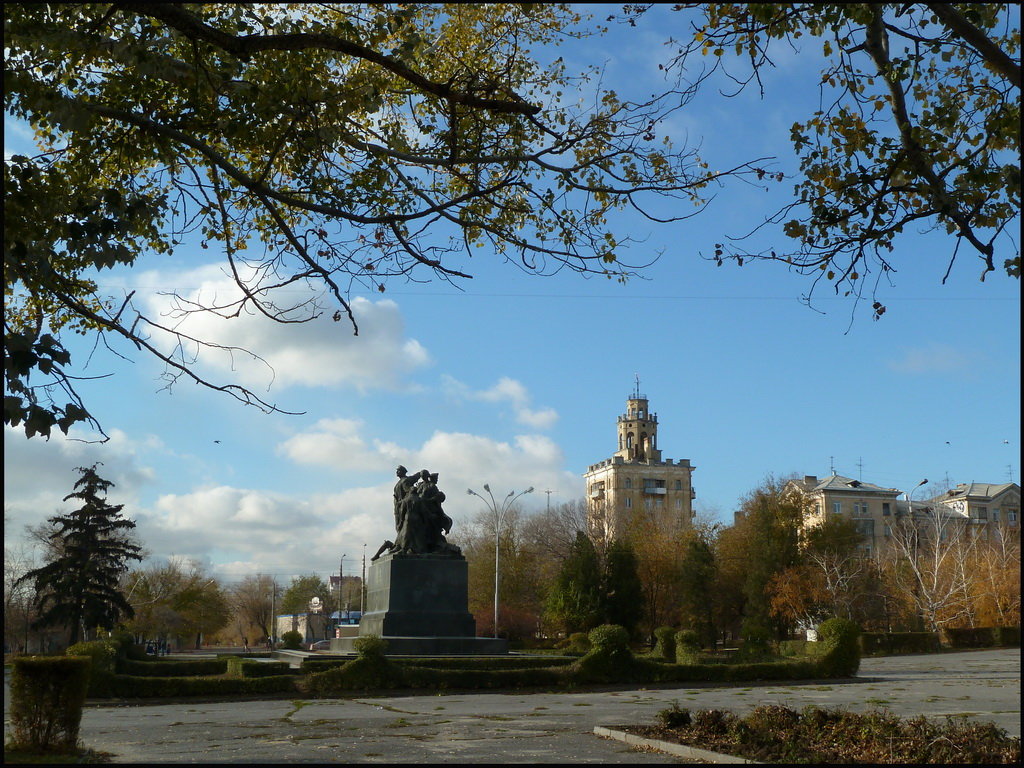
{"points": [[419, 604]]}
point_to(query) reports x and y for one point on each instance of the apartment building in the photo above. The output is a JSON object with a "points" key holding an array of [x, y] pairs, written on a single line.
{"points": [[980, 508]]}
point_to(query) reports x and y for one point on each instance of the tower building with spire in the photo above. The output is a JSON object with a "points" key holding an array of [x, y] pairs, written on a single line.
{"points": [[636, 479]]}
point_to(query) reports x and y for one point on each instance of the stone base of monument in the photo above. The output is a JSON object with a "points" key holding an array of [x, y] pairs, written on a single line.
{"points": [[419, 604]]}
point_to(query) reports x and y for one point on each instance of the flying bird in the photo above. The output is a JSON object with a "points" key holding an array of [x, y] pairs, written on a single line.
{"points": [[216, 441]]}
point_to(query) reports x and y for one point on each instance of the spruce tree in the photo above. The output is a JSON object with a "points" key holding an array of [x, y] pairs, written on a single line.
{"points": [[79, 586], [575, 599]]}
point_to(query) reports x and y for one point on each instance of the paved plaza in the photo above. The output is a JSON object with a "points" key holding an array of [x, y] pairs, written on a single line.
{"points": [[526, 727]]}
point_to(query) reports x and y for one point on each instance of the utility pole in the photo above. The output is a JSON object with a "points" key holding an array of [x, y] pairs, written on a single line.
{"points": [[549, 500]]}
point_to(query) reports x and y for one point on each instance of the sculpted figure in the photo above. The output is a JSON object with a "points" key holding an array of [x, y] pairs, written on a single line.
{"points": [[420, 521]]}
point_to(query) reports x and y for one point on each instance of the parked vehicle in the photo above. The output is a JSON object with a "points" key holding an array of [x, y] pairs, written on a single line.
{"points": [[320, 645]]}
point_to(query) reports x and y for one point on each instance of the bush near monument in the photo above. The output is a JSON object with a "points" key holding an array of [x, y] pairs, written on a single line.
{"points": [[47, 696]]}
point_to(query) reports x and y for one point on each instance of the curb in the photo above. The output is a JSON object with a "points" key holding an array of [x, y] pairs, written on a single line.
{"points": [[679, 750]]}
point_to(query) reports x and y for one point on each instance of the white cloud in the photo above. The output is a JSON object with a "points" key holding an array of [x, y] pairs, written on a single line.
{"points": [[505, 390], [39, 473], [334, 443], [317, 353], [941, 359]]}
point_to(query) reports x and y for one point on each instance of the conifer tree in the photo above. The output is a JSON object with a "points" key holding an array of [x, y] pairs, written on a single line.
{"points": [[623, 593], [575, 600], [79, 585]]}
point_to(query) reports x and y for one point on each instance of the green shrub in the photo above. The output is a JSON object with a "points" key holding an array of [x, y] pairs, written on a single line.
{"points": [[755, 641], [370, 646], [131, 687], [485, 663], [175, 668], [609, 658], [664, 644], [291, 640], [841, 657], [103, 663], [1007, 637], [47, 695], [981, 637], [577, 642], [363, 673], [872, 643], [308, 666], [251, 668]]}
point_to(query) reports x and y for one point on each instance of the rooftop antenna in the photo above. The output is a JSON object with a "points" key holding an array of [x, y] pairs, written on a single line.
{"points": [[832, 464], [1009, 472], [860, 468], [636, 394]]}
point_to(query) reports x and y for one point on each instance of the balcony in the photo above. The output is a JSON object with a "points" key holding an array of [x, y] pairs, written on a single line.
{"points": [[655, 491]]}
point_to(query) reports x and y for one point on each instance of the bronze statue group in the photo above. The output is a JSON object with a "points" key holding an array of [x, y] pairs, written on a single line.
{"points": [[420, 522]]}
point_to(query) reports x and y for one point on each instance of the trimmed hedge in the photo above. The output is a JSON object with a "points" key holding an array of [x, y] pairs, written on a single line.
{"points": [[981, 637], [487, 664], [664, 644], [872, 643], [842, 650], [131, 687], [252, 668], [174, 668], [47, 695]]}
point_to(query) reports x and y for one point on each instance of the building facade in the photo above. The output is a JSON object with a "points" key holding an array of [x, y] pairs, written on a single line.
{"points": [[983, 504], [637, 479], [977, 508]]}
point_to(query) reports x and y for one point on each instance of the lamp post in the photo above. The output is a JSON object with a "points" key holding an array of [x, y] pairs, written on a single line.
{"points": [[910, 498], [341, 585], [914, 529], [499, 511]]}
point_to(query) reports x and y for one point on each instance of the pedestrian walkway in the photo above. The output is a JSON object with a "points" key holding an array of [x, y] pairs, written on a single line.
{"points": [[527, 727]]}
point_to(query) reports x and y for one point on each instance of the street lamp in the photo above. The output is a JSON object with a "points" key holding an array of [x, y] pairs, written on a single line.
{"points": [[499, 510], [910, 498]]}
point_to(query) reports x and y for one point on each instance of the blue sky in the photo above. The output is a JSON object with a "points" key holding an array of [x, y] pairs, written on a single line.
{"points": [[517, 380]]}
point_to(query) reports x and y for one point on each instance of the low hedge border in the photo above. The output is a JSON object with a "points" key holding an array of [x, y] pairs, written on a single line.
{"points": [[173, 668], [252, 668], [609, 661], [132, 687]]}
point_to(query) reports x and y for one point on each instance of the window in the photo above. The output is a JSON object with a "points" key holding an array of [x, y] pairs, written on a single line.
{"points": [[860, 508], [837, 507], [629, 482], [888, 531], [983, 513], [679, 485], [995, 515], [1011, 516], [679, 503], [885, 508], [629, 503]]}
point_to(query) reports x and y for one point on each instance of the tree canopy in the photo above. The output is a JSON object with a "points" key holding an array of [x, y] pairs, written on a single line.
{"points": [[327, 147], [918, 128]]}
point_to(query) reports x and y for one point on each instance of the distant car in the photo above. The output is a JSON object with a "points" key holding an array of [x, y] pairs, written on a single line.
{"points": [[320, 645]]}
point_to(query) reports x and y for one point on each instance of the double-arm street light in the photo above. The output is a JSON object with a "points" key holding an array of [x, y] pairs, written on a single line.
{"points": [[499, 511]]}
